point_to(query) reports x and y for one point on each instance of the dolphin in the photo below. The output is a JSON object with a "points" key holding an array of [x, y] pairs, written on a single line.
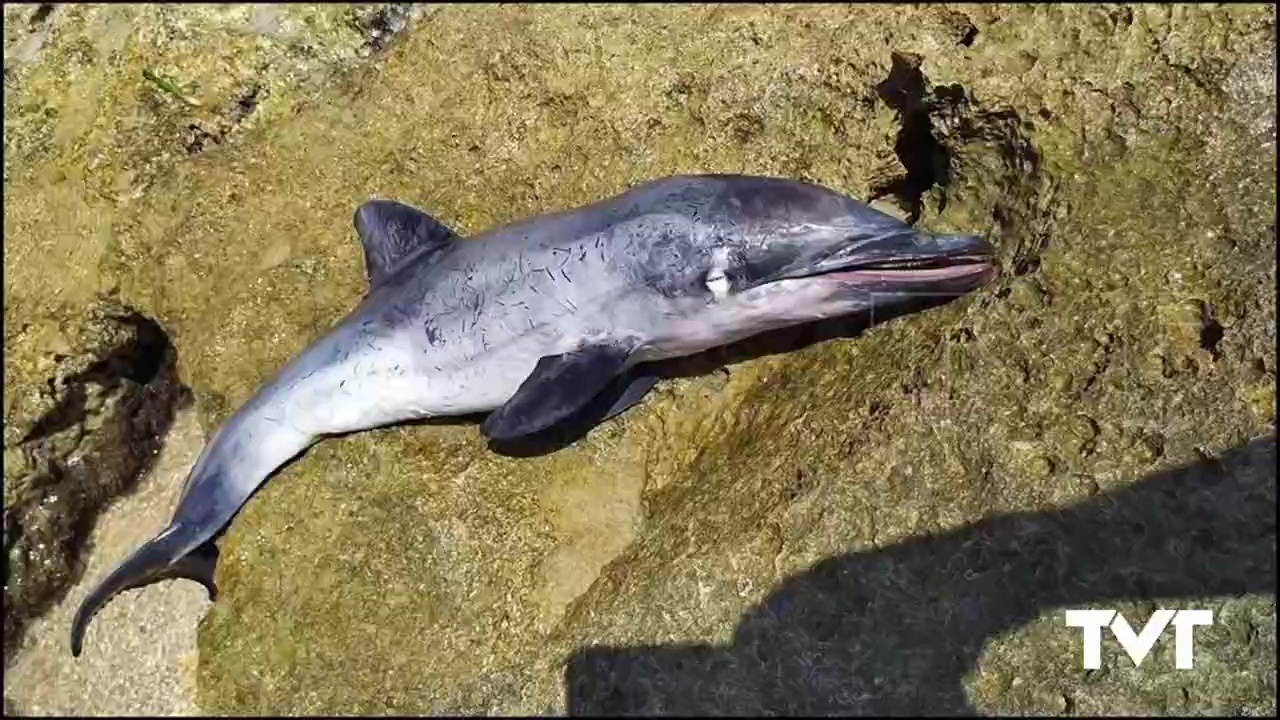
{"points": [[531, 321]]}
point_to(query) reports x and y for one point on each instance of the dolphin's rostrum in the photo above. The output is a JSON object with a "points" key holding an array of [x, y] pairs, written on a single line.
{"points": [[531, 321]]}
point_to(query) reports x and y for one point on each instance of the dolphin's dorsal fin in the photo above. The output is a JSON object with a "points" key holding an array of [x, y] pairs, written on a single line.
{"points": [[391, 232]]}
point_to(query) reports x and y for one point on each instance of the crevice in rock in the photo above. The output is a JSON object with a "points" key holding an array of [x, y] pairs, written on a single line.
{"points": [[40, 15], [1210, 335], [949, 144], [926, 160], [111, 401], [138, 361], [247, 102], [238, 109], [200, 138]]}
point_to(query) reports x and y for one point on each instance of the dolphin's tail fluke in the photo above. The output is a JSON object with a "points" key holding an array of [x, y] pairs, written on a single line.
{"points": [[163, 557]]}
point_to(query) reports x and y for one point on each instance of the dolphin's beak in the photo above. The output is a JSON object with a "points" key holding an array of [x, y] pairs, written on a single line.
{"points": [[904, 259]]}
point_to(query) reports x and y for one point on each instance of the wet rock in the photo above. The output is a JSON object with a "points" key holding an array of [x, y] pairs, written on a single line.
{"points": [[107, 405]]}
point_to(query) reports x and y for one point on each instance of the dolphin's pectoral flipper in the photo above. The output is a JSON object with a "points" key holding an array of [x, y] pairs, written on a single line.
{"points": [[391, 232], [639, 386], [558, 387]]}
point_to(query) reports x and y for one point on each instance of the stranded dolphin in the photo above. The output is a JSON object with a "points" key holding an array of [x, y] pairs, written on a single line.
{"points": [[530, 321]]}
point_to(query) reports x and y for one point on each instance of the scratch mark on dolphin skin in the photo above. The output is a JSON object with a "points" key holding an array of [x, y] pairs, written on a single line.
{"points": [[432, 333]]}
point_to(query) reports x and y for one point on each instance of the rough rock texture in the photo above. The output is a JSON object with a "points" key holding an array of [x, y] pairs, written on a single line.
{"points": [[101, 418], [145, 663], [891, 523]]}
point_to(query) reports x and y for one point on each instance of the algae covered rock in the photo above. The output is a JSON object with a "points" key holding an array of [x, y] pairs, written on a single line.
{"points": [[75, 443], [882, 523]]}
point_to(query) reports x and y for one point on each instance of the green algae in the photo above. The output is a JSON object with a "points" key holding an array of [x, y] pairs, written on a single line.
{"points": [[411, 570]]}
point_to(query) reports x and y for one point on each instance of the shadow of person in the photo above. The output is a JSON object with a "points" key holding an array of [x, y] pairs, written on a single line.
{"points": [[894, 631]]}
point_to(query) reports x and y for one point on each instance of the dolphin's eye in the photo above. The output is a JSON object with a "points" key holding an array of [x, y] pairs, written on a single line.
{"points": [[718, 283], [717, 279]]}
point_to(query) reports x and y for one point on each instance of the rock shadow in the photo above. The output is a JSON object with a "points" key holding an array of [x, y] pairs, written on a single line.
{"points": [[894, 631]]}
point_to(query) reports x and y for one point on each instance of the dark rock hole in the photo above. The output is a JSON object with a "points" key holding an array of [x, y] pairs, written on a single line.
{"points": [[138, 361], [1210, 336], [200, 138], [926, 160], [78, 457], [42, 13], [246, 103]]}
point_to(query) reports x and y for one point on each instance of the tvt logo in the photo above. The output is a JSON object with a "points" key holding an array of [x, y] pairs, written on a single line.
{"points": [[1138, 645]]}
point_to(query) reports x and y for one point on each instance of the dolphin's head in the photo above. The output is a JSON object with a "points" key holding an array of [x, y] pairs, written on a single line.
{"points": [[776, 253]]}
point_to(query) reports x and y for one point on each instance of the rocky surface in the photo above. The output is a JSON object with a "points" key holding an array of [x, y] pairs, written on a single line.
{"points": [[146, 664], [888, 523], [97, 425]]}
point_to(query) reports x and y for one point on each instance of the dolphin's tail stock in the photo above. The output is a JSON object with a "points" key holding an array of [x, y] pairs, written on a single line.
{"points": [[165, 556]]}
